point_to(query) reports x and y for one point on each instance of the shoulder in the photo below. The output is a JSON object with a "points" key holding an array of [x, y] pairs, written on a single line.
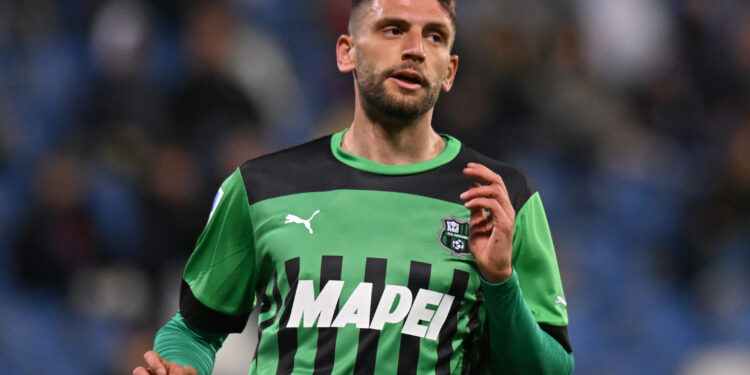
{"points": [[520, 186], [297, 169], [305, 154]]}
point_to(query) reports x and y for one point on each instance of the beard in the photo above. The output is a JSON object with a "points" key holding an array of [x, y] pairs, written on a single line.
{"points": [[377, 103]]}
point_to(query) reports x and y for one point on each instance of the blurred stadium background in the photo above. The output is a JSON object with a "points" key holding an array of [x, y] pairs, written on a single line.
{"points": [[120, 118]]}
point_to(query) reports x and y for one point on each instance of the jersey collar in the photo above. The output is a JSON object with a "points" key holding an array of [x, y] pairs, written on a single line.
{"points": [[452, 147]]}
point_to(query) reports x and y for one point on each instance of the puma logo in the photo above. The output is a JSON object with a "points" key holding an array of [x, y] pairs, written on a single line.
{"points": [[294, 219]]}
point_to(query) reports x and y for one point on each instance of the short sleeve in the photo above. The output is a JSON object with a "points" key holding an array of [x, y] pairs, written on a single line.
{"points": [[220, 277], [536, 265]]}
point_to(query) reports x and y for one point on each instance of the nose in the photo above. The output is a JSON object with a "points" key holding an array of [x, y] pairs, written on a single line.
{"points": [[413, 47]]}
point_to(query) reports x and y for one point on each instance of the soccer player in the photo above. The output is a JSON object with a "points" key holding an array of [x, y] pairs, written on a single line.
{"points": [[371, 250]]}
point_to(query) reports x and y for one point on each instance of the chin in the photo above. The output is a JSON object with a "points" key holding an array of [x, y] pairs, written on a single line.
{"points": [[397, 105]]}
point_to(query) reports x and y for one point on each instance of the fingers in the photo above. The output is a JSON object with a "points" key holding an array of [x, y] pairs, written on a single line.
{"points": [[141, 371], [495, 190], [482, 191], [484, 174], [155, 363], [491, 191], [492, 205]]}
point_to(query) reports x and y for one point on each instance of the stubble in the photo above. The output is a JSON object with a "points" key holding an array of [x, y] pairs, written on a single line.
{"points": [[379, 104]]}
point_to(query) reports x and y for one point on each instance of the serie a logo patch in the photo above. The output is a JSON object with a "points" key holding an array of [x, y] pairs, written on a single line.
{"points": [[454, 236]]}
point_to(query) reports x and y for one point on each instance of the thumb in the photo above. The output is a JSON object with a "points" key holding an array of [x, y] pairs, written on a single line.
{"points": [[477, 215], [155, 362]]}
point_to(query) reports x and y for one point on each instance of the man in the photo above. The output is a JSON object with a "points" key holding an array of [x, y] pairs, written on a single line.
{"points": [[365, 249]]}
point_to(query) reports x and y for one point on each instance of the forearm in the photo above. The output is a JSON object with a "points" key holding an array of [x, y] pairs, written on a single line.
{"points": [[517, 344], [177, 342]]}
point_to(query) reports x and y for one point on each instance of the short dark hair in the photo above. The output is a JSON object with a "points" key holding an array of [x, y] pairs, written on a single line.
{"points": [[357, 5]]}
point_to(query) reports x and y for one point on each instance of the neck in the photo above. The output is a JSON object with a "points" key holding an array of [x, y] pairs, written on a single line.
{"points": [[393, 144]]}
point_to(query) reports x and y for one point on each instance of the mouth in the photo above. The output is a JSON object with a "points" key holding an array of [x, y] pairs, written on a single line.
{"points": [[408, 78]]}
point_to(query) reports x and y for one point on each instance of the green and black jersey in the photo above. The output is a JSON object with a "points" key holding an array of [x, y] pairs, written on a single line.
{"points": [[360, 267]]}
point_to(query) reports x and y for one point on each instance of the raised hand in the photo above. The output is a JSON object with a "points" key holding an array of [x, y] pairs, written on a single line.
{"points": [[159, 366], [492, 222]]}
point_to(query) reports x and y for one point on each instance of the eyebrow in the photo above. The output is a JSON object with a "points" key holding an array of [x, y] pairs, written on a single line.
{"points": [[391, 21], [396, 21]]}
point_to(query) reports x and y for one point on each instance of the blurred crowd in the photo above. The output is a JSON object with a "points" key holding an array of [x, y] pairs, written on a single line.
{"points": [[120, 118]]}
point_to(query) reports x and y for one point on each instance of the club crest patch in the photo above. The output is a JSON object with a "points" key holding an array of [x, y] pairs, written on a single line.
{"points": [[454, 236]]}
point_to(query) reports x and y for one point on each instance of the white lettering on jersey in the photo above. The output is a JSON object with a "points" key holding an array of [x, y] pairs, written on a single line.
{"points": [[383, 313], [419, 319], [297, 220], [309, 309], [440, 316], [357, 308], [419, 311]]}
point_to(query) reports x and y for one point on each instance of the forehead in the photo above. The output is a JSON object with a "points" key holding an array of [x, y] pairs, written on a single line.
{"points": [[414, 11]]}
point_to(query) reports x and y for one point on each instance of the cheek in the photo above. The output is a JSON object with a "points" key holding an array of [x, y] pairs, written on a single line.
{"points": [[441, 72], [367, 62]]}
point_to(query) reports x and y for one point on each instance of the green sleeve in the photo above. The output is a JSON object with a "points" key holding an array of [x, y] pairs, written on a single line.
{"points": [[535, 262], [532, 296], [221, 271], [517, 344], [180, 343]]}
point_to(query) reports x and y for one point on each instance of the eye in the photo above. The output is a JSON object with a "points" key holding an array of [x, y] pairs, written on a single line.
{"points": [[392, 31], [437, 38]]}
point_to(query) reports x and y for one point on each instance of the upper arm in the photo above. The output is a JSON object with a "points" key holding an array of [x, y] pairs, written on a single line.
{"points": [[535, 262], [220, 277], [536, 265]]}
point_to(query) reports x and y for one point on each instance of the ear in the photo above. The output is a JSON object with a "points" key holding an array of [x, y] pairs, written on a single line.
{"points": [[345, 54], [452, 68]]}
